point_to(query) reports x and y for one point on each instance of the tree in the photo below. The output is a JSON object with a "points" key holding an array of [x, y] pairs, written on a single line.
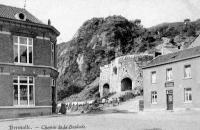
{"points": [[137, 22], [186, 21]]}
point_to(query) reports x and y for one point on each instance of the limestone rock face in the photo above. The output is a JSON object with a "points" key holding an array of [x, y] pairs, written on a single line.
{"points": [[97, 42], [100, 40], [80, 62]]}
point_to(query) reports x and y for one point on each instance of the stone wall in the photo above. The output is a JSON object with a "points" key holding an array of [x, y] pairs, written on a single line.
{"points": [[123, 69]]}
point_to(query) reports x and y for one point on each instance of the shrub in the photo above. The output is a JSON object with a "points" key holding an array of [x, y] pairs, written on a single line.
{"points": [[126, 96]]}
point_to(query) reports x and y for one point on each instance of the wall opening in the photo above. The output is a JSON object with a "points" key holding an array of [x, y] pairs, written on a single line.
{"points": [[126, 84], [115, 70], [106, 89]]}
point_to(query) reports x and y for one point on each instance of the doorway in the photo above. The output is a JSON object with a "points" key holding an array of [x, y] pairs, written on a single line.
{"points": [[126, 84], [53, 88], [106, 89], [169, 95]]}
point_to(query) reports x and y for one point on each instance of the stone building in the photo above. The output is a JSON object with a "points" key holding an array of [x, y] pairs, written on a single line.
{"points": [[172, 81], [27, 64], [122, 74], [165, 47]]}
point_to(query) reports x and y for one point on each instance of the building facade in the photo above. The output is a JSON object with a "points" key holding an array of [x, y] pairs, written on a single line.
{"points": [[172, 81], [122, 74], [27, 64]]}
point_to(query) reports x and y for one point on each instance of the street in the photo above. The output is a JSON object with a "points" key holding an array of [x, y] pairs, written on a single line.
{"points": [[182, 120]]}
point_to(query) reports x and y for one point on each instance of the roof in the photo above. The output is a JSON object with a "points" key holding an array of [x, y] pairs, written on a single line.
{"points": [[10, 12], [175, 57]]}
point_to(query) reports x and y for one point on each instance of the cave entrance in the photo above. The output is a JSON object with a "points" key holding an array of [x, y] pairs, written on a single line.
{"points": [[126, 84], [106, 89]]}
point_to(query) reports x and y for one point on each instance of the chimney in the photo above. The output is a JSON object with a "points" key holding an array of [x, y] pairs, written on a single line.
{"points": [[49, 22]]}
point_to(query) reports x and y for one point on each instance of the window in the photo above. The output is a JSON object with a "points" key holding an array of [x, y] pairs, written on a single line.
{"points": [[52, 54], [23, 90], [23, 49], [53, 82], [187, 71], [169, 74], [188, 95], [154, 97], [153, 77], [115, 70]]}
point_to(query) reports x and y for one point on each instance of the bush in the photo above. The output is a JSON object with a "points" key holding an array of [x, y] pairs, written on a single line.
{"points": [[69, 91], [126, 96], [109, 95]]}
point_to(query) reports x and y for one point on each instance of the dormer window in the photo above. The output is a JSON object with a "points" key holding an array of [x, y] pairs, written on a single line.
{"points": [[20, 16], [23, 50]]}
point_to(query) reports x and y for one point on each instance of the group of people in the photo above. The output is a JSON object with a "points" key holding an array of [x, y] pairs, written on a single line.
{"points": [[63, 108], [113, 101], [69, 107]]}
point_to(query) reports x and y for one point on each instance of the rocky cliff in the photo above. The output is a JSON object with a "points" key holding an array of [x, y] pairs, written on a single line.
{"points": [[100, 40]]}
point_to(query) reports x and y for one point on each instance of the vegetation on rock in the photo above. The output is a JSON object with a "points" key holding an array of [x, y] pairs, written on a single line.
{"points": [[100, 40]]}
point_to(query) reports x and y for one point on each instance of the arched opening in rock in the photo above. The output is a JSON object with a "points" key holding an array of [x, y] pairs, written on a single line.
{"points": [[106, 89], [126, 84]]}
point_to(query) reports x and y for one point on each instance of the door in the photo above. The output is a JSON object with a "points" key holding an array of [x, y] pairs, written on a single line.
{"points": [[169, 94], [53, 99]]}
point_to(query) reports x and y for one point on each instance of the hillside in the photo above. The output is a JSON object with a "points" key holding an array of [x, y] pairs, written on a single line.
{"points": [[100, 40]]}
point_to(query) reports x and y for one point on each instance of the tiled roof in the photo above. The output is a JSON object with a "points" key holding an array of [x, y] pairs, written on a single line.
{"points": [[10, 12], [174, 57]]}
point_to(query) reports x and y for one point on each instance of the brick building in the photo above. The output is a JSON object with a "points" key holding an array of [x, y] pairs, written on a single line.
{"points": [[172, 81], [122, 74], [27, 64]]}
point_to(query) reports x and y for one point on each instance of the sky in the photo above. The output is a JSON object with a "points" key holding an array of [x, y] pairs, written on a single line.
{"points": [[68, 15]]}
